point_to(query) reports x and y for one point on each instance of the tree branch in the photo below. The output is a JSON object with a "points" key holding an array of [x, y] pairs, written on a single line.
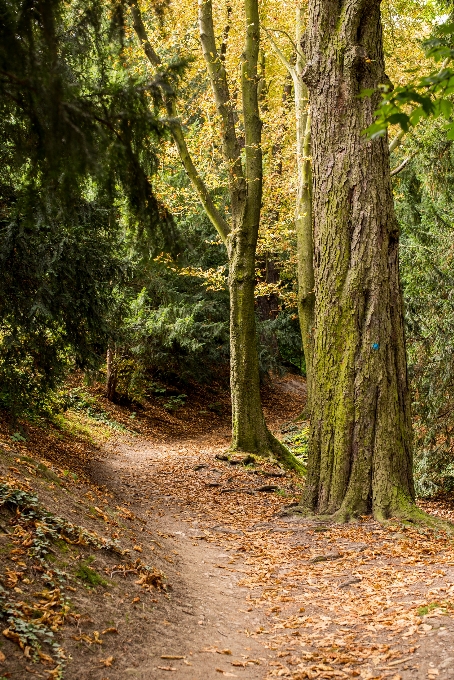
{"points": [[394, 143], [282, 58], [252, 122], [219, 84], [142, 34], [213, 213], [402, 165]]}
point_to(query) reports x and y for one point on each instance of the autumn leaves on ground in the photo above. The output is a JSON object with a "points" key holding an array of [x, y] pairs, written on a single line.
{"points": [[154, 555]]}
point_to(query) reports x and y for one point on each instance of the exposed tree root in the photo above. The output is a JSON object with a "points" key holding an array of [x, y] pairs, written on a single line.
{"points": [[285, 457], [407, 513], [274, 450]]}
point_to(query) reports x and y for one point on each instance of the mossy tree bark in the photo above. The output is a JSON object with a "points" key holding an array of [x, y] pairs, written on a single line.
{"points": [[249, 431], [360, 449]]}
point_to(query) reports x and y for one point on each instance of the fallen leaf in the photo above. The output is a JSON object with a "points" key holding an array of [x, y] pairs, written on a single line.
{"points": [[108, 661], [166, 668], [102, 514], [45, 658], [137, 548], [109, 630], [171, 656], [2, 657], [14, 637]]}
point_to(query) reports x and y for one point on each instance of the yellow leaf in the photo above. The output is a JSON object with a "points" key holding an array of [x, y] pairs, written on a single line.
{"points": [[108, 661]]}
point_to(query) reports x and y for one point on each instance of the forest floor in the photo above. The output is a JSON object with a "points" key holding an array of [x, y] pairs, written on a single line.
{"points": [[148, 556]]}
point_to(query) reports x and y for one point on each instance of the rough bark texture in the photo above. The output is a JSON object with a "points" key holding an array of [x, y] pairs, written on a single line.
{"points": [[360, 450]]}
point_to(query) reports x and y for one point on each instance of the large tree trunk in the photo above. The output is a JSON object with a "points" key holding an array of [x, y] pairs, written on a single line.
{"points": [[360, 450]]}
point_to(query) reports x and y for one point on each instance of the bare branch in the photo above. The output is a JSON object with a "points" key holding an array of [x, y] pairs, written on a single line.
{"points": [[282, 58], [213, 213], [394, 143], [402, 165], [142, 34]]}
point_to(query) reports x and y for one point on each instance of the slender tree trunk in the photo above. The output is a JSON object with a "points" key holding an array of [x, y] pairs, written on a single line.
{"points": [[303, 218], [250, 432], [303, 211], [111, 378], [360, 450]]}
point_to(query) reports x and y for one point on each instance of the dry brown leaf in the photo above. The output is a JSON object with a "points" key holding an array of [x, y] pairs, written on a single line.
{"points": [[2, 657], [13, 636], [45, 658], [107, 662]]}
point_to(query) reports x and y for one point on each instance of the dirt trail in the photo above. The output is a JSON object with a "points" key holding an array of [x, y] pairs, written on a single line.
{"points": [[281, 597], [206, 610]]}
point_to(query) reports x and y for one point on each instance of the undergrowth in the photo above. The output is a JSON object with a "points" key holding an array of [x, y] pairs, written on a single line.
{"points": [[297, 440]]}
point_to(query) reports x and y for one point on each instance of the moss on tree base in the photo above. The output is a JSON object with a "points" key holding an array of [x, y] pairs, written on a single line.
{"points": [[273, 449], [407, 512]]}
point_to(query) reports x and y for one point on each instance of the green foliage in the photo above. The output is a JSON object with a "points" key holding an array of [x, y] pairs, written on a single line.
{"points": [[280, 343], [425, 210], [174, 402], [78, 399], [429, 96], [17, 437], [297, 441], [79, 138]]}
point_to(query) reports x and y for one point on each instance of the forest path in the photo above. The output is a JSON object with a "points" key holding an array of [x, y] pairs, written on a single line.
{"points": [[255, 595]]}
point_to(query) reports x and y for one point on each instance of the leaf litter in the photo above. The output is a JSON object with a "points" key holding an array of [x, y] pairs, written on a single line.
{"points": [[358, 600]]}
